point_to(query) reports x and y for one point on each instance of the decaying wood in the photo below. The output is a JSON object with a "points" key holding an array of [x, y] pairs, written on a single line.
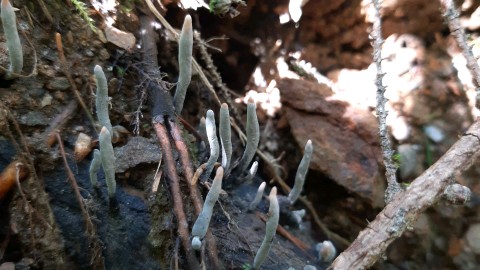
{"points": [[405, 207]]}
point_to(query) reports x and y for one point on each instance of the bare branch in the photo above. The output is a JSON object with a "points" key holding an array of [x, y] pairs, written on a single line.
{"points": [[393, 186], [450, 13], [405, 207]]}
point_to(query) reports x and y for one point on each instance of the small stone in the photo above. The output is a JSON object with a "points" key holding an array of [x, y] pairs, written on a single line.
{"points": [[326, 251], [89, 53], [122, 39], [33, 118], [104, 55], [7, 266], [46, 70], [36, 93], [46, 101], [473, 237], [83, 146], [138, 150], [58, 83], [59, 95], [434, 133], [97, 44], [408, 159]]}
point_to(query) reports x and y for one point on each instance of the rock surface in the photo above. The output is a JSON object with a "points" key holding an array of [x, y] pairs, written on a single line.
{"points": [[138, 150], [344, 137]]}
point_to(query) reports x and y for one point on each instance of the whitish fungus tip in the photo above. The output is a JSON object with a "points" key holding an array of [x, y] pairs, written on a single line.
{"points": [[273, 193], [196, 243]]}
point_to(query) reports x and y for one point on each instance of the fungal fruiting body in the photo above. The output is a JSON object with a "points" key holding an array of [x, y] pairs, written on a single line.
{"points": [[270, 229], [258, 196], [15, 52], [301, 173], [225, 137], [108, 161], [200, 227], [101, 99], [185, 46], [253, 137], [213, 142], [94, 167]]}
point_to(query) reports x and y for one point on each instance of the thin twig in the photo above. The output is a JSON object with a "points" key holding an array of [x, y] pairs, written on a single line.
{"points": [[63, 62], [59, 121], [387, 153], [404, 209], [28, 208], [451, 14], [191, 129], [96, 247], [216, 78], [45, 11], [157, 177], [27, 155]]}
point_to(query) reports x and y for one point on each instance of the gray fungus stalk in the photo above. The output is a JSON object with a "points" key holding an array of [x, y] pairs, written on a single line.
{"points": [[185, 47], [270, 229], [101, 99], [225, 137], [108, 160], [94, 167], [301, 172], [200, 227], [15, 52], [253, 137], [213, 141], [258, 196]]}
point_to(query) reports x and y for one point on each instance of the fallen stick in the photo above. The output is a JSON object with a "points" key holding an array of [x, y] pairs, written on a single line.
{"points": [[405, 206]]}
